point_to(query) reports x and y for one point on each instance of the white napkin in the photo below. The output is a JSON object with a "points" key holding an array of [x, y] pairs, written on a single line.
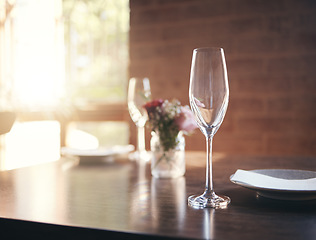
{"points": [[264, 181]]}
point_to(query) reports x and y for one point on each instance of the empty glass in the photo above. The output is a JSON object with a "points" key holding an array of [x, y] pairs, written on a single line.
{"points": [[138, 94], [208, 96]]}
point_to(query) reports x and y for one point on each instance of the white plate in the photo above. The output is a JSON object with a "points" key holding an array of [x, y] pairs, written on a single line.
{"points": [[282, 194], [96, 154]]}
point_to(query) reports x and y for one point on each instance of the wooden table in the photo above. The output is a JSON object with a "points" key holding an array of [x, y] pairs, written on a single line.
{"points": [[59, 200]]}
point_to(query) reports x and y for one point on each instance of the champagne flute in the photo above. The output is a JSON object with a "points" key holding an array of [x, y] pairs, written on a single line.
{"points": [[208, 96], [138, 94]]}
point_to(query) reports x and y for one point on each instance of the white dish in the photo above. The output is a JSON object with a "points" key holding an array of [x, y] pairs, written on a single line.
{"points": [[282, 194], [97, 154]]}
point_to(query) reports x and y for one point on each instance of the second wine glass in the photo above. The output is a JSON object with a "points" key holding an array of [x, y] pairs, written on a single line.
{"points": [[208, 96], [138, 94]]}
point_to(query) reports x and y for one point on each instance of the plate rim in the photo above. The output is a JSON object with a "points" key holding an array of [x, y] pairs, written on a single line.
{"points": [[97, 153], [292, 191]]}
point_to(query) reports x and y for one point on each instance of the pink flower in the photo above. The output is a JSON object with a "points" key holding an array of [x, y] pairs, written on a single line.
{"points": [[185, 120]]}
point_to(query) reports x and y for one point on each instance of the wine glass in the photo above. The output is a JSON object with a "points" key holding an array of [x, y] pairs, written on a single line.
{"points": [[138, 94], [208, 94]]}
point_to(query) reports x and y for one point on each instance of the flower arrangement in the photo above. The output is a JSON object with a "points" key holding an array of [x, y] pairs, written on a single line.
{"points": [[167, 119]]}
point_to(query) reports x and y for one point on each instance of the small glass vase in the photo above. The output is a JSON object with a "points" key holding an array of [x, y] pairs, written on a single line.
{"points": [[167, 164]]}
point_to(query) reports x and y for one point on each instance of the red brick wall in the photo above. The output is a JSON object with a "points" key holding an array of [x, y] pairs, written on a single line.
{"points": [[270, 48]]}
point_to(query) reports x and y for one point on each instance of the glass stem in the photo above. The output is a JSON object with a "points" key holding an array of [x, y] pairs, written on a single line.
{"points": [[140, 139], [209, 177]]}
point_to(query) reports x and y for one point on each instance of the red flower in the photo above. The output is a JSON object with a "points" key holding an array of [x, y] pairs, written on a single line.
{"points": [[151, 106]]}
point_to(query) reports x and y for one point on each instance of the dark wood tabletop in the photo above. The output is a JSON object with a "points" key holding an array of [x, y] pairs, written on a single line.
{"points": [[120, 200]]}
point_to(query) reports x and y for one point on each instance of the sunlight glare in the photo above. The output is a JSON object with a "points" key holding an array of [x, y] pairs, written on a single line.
{"points": [[38, 79], [30, 143]]}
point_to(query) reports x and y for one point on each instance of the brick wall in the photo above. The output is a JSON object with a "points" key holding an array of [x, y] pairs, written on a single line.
{"points": [[270, 48]]}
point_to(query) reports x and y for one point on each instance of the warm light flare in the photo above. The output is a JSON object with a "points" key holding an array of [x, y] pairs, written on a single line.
{"points": [[38, 54]]}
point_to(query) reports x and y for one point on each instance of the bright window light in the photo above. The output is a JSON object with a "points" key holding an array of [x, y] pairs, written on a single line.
{"points": [[55, 54], [38, 65]]}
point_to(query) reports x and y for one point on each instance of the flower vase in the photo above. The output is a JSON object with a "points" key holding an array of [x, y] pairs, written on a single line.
{"points": [[170, 163]]}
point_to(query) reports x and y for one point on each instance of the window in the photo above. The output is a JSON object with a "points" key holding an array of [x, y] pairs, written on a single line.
{"points": [[66, 61], [96, 37], [33, 57], [96, 61]]}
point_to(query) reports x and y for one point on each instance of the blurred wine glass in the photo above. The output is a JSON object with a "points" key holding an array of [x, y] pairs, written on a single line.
{"points": [[138, 95], [208, 96]]}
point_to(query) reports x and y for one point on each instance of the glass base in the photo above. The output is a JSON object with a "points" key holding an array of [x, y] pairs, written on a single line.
{"points": [[167, 174], [212, 201]]}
